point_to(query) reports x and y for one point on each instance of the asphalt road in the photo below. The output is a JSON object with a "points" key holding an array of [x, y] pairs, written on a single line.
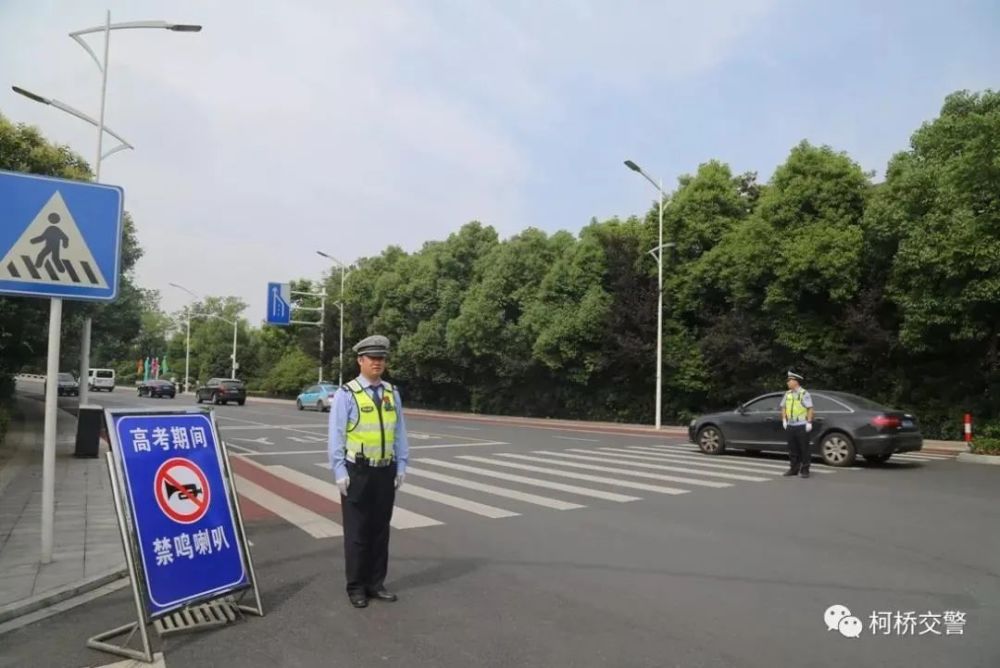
{"points": [[671, 559]]}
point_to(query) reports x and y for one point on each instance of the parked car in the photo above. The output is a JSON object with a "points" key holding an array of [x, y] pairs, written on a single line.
{"points": [[157, 388], [66, 385], [845, 426], [317, 397], [101, 379], [222, 391]]}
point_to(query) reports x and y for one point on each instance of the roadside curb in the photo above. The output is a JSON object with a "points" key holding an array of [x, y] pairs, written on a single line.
{"points": [[972, 458], [56, 596]]}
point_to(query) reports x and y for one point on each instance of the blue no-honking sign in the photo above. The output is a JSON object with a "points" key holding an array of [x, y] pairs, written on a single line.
{"points": [[184, 525]]}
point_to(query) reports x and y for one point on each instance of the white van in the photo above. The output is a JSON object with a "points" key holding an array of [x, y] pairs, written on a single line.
{"points": [[101, 379]]}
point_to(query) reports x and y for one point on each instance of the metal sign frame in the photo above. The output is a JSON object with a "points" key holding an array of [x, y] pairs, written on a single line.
{"points": [[136, 571]]}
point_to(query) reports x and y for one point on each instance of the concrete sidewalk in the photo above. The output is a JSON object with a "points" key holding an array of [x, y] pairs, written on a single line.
{"points": [[87, 548]]}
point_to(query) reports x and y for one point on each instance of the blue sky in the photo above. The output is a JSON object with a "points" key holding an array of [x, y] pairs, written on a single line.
{"points": [[347, 126]]}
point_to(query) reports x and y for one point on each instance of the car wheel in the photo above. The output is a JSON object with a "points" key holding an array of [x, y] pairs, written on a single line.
{"points": [[877, 459], [298, 404], [837, 449], [197, 398], [319, 407], [711, 441], [217, 400], [241, 402]]}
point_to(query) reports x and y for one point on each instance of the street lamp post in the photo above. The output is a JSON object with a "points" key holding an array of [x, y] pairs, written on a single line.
{"points": [[187, 345], [102, 66], [340, 305], [658, 254]]}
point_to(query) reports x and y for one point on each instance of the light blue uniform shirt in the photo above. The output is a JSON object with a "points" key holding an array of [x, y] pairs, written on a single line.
{"points": [[344, 412], [804, 397]]}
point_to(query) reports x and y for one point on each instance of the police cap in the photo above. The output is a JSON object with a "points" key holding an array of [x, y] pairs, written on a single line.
{"points": [[792, 374], [373, 346]]}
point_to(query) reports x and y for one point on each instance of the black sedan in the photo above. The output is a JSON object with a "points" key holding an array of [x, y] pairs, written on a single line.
{"points": [[845, 426], [157, 388]]}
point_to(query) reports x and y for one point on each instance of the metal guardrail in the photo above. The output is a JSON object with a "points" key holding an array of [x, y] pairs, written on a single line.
{"points": [[29, 376]]}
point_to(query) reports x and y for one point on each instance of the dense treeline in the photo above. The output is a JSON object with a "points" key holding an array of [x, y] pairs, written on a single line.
{"points": [[890, 290]]}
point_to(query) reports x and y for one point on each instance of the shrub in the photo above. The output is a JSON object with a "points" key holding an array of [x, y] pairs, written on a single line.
{"points": [[985, 445]]}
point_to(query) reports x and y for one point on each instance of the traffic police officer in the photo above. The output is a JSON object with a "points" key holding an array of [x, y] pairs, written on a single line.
{"points": [[368, 454], [797, 419]]}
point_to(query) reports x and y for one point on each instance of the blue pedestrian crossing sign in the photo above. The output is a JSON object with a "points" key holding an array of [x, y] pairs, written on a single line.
{"points": [[185, 530], [59, 238], [279, 303]]}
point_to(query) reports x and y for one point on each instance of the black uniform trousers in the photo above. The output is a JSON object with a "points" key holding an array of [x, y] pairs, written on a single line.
{"points": [[799, 450], [367, 510]]}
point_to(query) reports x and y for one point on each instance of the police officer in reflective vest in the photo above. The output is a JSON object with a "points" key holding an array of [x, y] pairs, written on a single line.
{"points": [[368, 455], [797, 418]]}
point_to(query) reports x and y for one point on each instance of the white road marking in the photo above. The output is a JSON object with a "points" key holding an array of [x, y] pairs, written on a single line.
{"points": [[491, 489], [277, 453], [742, 461], [311, 439], [312, 523], [572, 489], [401, 517], [574, 438], [454, 426], [604, 480], [233, 446], [693, 460], [456, 445], [457, 502], [606, 460], [263, 440]]}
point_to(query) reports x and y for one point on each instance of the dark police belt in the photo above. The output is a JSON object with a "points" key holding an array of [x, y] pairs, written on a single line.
{"points": [[361, 460]]}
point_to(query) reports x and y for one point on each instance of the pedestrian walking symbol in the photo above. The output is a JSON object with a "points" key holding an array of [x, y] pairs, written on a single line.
{"points": [[51, 250], [181, 490]]}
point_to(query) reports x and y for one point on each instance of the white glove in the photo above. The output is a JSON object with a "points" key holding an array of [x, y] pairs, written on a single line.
{"points": [[399, 480], [784, 424], [342, 485], [809, 427]]}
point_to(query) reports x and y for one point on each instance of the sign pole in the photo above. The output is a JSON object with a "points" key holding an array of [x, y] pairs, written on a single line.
{"points": [[49, 437]]}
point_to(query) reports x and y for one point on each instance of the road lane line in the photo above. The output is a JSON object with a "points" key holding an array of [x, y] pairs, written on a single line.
{"points": [[510, 477], [496, 491], [401, 517], [312, 523], [455, 426], [233, 446], [276, 453], [578, 476], [574, 438], [605, 460], [742, 461], [457, 502], [669, 459], [456, 445]]}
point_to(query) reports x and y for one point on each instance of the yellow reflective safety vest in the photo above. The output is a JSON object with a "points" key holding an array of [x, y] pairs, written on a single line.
{"points": [[373, 434], [794, 410]]}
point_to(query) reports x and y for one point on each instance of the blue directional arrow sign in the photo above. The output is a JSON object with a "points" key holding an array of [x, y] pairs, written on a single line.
{"points": [[59, 238], [279, 303]]}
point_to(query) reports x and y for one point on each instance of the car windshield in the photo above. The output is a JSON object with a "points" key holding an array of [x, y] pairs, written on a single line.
{"points": [[68, 377], [232, 383], [329, 388]]}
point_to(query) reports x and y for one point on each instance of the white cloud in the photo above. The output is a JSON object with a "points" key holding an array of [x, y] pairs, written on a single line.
{"points": [[346, 126]]}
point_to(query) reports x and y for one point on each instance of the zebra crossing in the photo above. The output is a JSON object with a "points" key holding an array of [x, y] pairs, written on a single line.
{"points": [[499, 485]]}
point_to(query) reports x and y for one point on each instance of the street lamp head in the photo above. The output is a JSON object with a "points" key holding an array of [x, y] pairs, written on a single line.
{"points": [[31, 96], [322, 254], [184, 27], [634, 167]]}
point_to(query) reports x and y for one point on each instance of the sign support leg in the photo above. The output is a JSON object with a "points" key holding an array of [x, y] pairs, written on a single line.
{"points": [[49, 437], [259, 610], [98, 642]]}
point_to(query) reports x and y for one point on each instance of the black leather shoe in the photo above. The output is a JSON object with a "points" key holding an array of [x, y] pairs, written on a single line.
{"points": [[804, 474], [789, 473], [358, 600], [383, 595]]}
